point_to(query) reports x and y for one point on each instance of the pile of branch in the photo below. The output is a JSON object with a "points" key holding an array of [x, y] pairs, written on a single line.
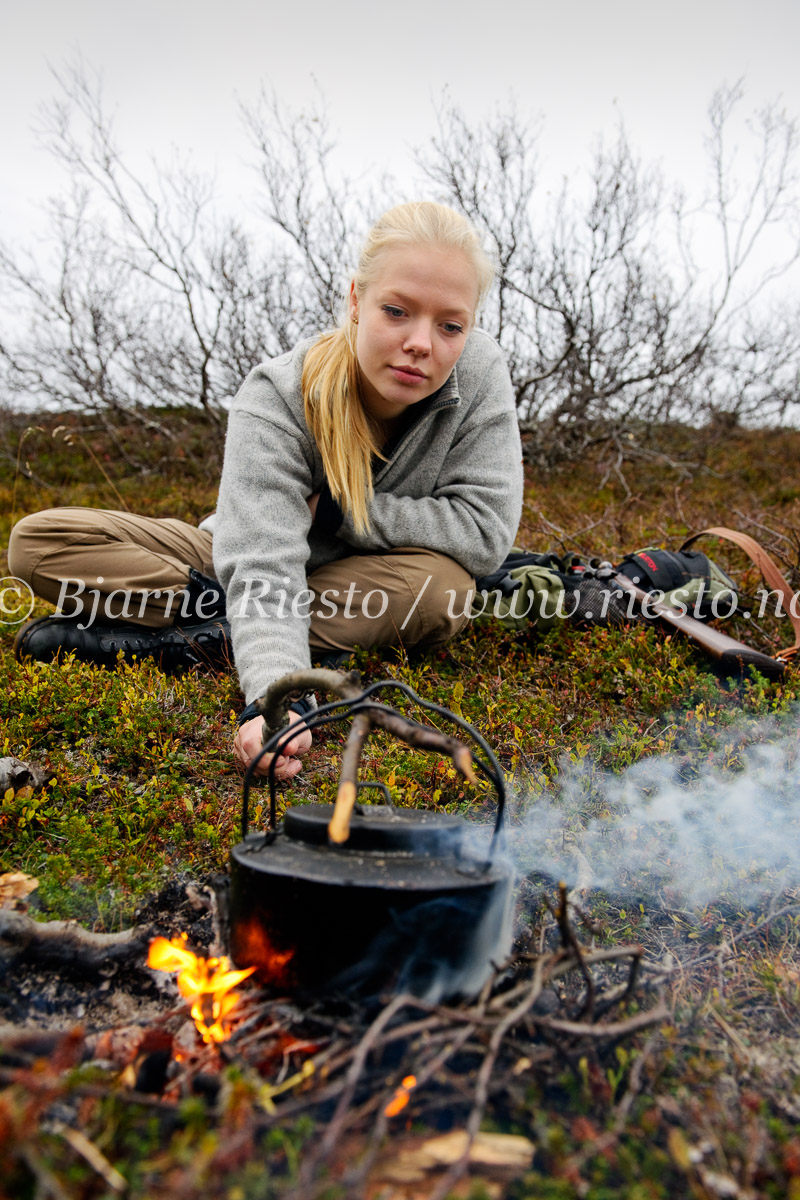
{"points": [[354, 1069]]}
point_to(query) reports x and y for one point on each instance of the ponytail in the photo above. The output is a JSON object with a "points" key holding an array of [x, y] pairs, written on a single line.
{"points": [[339, 422]]}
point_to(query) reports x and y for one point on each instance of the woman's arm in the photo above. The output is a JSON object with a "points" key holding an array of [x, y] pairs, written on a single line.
{"points": [[261, 538]]}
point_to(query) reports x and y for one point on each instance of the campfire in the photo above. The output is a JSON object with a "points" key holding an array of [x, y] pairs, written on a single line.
{"points": [[316, 1040], [363, 1068], [323, 1017], [207, 982]]}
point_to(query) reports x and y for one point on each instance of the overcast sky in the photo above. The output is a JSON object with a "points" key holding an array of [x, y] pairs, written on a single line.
{"points": [[174, 72]]}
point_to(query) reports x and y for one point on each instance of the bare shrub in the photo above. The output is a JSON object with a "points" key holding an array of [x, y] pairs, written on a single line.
{"points": [[620, 307]]}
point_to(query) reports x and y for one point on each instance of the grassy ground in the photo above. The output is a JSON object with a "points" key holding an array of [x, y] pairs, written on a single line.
{"points": [[144, 788]]}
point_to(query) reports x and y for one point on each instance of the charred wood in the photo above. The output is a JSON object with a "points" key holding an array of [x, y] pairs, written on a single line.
{"points": [[67, 946]]}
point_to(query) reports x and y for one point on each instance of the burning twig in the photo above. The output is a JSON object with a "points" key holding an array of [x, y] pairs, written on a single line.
{"points": [[357, 1066], [205, 981], [453, 1043], [484, 1075], [401, 1096]]}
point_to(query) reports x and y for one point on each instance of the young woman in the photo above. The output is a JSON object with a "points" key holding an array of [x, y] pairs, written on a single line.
{"points": [[370, 475]]}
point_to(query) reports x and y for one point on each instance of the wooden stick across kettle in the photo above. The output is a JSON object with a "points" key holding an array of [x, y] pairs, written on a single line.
{"points": [[370, 714]]}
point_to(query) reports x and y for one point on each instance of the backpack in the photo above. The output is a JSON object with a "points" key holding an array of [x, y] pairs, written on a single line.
{"points": [[539, 589]]}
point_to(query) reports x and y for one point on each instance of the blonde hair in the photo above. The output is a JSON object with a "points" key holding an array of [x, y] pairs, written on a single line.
{"points": [[334, 408]]}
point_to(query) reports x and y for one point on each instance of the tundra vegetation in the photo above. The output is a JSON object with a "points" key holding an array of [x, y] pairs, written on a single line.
{"points": [[144, 794], [150, 308]]}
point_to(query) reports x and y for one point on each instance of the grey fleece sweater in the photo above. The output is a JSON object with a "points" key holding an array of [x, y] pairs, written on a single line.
{"points": [[453, 483]]}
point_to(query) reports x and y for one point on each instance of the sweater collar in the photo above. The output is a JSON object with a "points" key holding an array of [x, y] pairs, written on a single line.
{"points": [[448, 393], [446, 397]]}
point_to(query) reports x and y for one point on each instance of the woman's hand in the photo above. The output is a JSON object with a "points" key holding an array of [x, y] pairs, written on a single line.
{"points": [[248, 743]]}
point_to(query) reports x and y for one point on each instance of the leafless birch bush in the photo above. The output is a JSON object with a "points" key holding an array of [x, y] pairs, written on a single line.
{"points": [[620, 306]]}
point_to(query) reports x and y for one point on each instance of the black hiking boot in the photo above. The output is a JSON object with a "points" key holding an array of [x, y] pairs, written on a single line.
{"points": [[175, 648], [201, 639], [204, 599]]}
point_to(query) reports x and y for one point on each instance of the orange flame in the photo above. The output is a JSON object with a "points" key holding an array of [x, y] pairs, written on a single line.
{"points": [[401, 1097], [254, 944], [205, 981]]}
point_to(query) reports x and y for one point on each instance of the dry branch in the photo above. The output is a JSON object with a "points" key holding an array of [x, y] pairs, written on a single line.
{"points": [[67, 945], [273, 706]]}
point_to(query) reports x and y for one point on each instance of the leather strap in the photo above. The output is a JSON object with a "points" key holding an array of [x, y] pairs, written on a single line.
{"points": [[770, 572]]}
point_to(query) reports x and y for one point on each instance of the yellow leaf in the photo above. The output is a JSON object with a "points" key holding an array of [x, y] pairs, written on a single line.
{"points": [[679, 1149]]}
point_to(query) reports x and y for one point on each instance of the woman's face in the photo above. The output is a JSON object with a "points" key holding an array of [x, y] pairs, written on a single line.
{"points": [[413, 321]]}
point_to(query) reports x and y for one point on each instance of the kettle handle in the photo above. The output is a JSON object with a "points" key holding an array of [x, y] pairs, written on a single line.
{"points": [[353, 700]]}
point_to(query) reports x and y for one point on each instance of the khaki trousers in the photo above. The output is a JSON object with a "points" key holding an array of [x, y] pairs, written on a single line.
{"points": [[76, 558]]}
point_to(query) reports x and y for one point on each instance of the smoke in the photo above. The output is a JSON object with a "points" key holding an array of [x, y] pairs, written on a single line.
{"points": [[442, 949], [718, 823], [434, 980], [670, 829]]}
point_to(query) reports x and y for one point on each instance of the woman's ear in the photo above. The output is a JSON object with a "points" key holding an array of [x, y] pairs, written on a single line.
{"points": [[352, 302]]}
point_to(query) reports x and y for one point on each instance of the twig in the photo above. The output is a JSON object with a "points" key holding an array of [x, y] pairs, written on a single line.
{"points": [[430, 1070], [791, 910], [102, 471], [482, 1085], [618, 995], [730, 1032], [33, 1083], [571, 942], [424, 737], [585, 875], [621, 1112], [339, 1118], [616, 1029], [94, 1157], [273, 707], [45, 1178], [757, 525]]}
